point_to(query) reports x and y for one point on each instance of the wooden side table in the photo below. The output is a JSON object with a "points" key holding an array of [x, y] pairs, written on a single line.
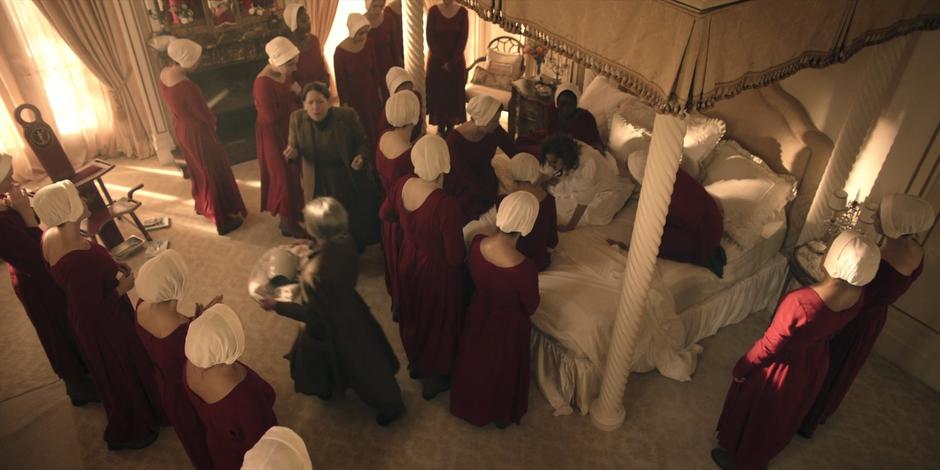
{"points": [[527, 107]]}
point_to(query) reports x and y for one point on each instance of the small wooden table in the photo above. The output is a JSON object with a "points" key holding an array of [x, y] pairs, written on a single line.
{"points": [[527, 107]]}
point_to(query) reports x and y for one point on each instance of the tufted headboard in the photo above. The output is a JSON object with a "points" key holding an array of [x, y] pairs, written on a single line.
{"points": [[772, 124]]}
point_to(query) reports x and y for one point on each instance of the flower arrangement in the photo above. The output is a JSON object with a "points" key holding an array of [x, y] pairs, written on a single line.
{"points": [[536, 50], [183, 12]]}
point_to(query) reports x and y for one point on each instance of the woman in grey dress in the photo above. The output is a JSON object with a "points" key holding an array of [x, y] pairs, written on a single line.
{"points": [[341, 345]]}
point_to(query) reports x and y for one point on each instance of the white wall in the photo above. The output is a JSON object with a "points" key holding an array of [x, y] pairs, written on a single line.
{"points": [[904, 139]]}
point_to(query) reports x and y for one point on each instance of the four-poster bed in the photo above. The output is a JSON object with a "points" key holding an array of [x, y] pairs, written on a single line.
{"points": [[678, 58]]}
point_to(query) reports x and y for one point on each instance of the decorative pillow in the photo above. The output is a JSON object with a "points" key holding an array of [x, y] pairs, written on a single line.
{"points": [[504, 64], [484, 77], [625, 138], [745, 208], [702, 134]]}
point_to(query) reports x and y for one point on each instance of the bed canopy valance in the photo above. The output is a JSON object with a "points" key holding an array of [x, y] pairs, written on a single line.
{"points": [[680, 58]]}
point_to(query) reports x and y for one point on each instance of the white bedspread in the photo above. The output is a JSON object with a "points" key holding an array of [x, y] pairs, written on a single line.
{"points": [[581, 291]]}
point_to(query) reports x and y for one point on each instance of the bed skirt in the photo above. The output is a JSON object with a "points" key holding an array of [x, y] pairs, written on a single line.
{"points": [[571, 382]]}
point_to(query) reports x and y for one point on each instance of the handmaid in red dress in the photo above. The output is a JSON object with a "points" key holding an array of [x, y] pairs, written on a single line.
{"points": [[382, 37], [275, 100], [544, 234], [446, 34], [393, 13], [402, 109], [214, 189], [43, 301], [311, 67], [429, 269], [398, 79], [694, 223], [357, 77], [776, 382], [162, 329], [102, 318], [235, 403], [491, 378], [564, 117], [472, 146], [900, 218]]}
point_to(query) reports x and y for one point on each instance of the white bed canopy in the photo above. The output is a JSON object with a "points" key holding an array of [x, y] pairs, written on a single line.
{"points": [[680, 56]]}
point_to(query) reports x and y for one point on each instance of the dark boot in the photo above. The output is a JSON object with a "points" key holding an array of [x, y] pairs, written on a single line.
{"points": [[388, 417], [136, 444], [82, 391], [431, 387], [723, 458]]}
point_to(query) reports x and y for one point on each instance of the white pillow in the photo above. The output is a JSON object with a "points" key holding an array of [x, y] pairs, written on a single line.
{"points": [[745, 208], [601, 98], [625, 138], [702, 134], [730, 161]]}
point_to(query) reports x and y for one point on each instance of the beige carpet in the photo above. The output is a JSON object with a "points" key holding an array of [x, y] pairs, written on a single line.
{"points": [[889, 420]]}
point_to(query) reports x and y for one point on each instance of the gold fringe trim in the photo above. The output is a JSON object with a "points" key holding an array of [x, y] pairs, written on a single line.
{"points": [[657, 99]]}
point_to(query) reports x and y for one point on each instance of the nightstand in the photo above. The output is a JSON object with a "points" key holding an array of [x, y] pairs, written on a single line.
{"points": [[527, 107], [805, 266]]}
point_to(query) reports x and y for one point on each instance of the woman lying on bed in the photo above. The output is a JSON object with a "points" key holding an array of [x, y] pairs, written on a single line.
{"points": [[587, 187]]}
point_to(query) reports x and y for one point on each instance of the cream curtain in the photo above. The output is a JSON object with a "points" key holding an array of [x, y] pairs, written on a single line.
{"points": [[322, 13], [36, 66], [89, 27]]}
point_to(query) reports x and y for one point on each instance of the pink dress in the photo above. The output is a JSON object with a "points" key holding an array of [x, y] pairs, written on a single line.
{"points": [[430, 302], [281, 193], [491, 376], [783, 372], [236, 422], [104, 327], [390, 171], [168, 360]]}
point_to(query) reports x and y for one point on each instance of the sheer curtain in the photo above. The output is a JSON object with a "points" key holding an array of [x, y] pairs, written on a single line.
{"points": [[39, 68]]}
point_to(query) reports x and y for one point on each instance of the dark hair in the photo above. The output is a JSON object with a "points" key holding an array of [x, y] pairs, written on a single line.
{"points": [[319, 87], [564, 147]]}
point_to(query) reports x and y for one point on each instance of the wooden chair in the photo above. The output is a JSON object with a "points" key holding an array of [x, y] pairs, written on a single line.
{"points": [[91, 227], [503, 44]]}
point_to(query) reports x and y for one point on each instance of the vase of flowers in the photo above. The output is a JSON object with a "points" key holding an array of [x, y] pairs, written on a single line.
{"points": [[535, 53]]}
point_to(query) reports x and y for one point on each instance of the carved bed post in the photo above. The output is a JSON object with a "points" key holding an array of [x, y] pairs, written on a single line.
{"points": [[413, 18], [607, 411], [875, 92]]}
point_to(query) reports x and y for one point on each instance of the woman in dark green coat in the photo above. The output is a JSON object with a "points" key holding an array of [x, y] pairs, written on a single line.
{"points": [[333, 145]]}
